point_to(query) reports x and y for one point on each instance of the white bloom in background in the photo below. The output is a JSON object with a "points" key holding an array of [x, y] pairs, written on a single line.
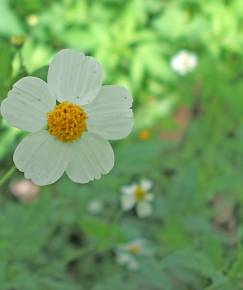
{"points": [[138, 246], [139, 196], [70, 119], [24, 190], [95, 206], [126, 254], [184, 62]]}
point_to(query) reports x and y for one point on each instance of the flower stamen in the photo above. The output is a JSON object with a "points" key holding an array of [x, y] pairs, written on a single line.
{"points": [[67, 122], [135, 249], [139, 193]]}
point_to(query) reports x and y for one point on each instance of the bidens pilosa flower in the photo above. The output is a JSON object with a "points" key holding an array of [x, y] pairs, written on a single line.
{"points": [[70, 119], [138, 196], [126, 254]]}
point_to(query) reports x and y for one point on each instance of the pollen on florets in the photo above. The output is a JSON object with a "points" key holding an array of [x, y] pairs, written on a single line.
{"points": [[67, 122], [139, 193]]}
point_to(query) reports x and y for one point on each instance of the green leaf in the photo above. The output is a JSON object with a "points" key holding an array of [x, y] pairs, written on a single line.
{"points": [[9, 24]]}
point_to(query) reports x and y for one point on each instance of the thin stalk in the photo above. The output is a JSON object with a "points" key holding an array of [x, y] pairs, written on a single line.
{"points": [[7, 175]]}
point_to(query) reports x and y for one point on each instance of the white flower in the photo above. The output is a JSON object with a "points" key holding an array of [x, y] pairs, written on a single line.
{"points": [[137, 246], [139, 196], [24, 190], [95, 206], [70, 119], [125, 254], [184, 62]]}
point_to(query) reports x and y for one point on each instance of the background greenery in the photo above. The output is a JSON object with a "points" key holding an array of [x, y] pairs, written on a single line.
{"points": [[193, 150]]}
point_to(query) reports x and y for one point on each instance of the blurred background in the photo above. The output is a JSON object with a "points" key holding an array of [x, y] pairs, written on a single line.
{"points": [[183, 62]]}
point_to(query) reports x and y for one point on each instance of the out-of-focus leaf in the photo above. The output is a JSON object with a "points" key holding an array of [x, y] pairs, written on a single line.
{"points": [[9, 23]]}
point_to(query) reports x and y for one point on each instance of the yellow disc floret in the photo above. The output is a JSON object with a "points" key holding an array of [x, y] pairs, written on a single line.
{"points": [[139, 194], [135, 248], [67, 122]]}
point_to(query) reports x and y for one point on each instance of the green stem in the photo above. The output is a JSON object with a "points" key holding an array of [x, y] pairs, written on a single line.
{"points": [[7, 175], [114, 221], [117, 217], [21, 62]]}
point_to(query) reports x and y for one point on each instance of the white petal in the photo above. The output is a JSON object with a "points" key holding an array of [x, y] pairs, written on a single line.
{"points": [[129, 189], [146, 184], [27, 104], [41, 157], [91, 157], [132, 264], [143, 209], [122, 258], [74, 77], [149, 197], [127, 260], [127, 202], [110, 114]]}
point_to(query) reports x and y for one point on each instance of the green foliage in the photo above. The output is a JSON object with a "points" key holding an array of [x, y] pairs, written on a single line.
{"points": [[193, 155]]}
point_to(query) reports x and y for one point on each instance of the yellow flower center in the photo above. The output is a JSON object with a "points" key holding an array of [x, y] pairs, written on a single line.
{"points": [[135, 249], [139, 193], [67, 122]]}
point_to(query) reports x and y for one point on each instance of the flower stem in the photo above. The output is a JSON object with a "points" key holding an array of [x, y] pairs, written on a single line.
{"points": [[112, 232], [21, 62], [81, 253], [7, 175], [117, 217]]}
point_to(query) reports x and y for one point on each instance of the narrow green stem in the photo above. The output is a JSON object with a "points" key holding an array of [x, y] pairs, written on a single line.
{"points": [[7, 175], [117, 217], [114, 221], [21, 62]]}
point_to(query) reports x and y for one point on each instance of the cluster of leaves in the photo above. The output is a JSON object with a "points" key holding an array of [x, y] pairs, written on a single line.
{"points": [[195, 230]]}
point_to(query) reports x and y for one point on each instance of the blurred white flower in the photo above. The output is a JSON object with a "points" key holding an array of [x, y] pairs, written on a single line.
{"points": [[139, 196], [24, 190], [126, 253], [95, 206], [138, 246], [184, 62]]}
